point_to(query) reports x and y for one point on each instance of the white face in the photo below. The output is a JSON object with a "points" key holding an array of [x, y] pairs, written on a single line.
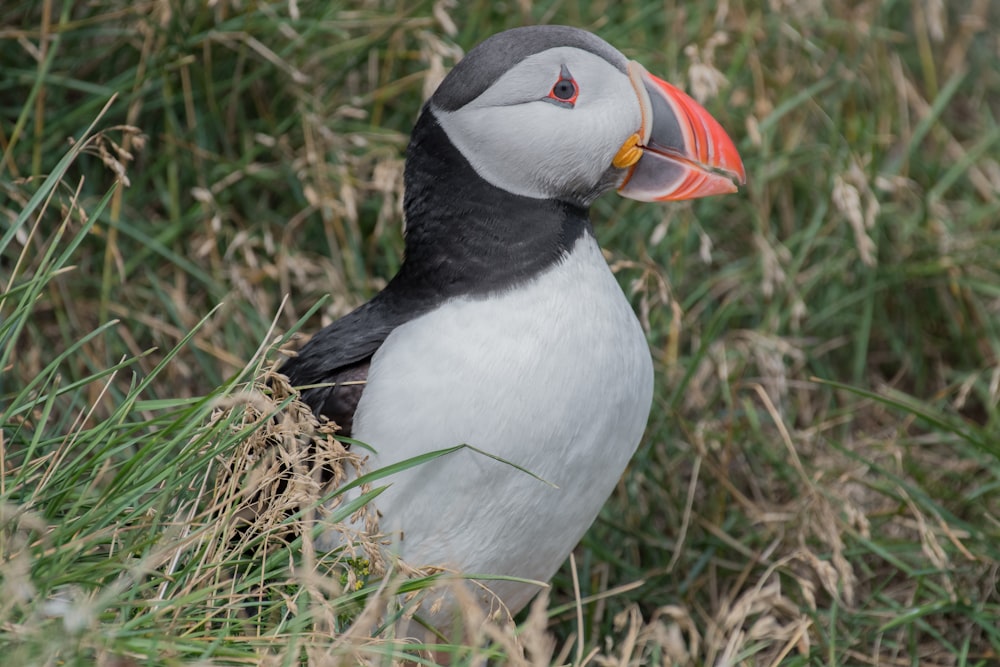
{"points": [[520, 139]]}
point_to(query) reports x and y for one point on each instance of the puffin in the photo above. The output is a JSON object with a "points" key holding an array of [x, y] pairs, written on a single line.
{"points": [[504, 328]]}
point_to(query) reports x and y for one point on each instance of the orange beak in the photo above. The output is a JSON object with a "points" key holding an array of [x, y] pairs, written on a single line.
{"points": [[685, 153]]}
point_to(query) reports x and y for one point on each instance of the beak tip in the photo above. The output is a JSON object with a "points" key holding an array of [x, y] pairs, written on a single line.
{"points": [[734, 173], [729, 160]]}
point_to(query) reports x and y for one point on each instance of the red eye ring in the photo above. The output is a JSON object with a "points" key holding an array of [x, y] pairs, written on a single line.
{"points": [[565, 90]]}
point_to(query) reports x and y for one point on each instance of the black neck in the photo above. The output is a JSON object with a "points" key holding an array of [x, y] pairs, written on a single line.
{"points": [[466, 236]]}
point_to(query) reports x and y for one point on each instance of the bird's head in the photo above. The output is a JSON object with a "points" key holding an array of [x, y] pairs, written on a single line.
{"points": [[554, 112]]}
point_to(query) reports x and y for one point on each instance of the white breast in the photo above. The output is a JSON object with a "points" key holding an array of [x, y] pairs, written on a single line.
{"points": [[554, 376]]}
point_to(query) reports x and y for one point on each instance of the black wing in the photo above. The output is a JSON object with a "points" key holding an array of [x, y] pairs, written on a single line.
{"points": [[338, 356]]}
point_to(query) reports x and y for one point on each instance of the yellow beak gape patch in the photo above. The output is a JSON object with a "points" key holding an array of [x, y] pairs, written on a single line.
{"points": [[629, 153]]}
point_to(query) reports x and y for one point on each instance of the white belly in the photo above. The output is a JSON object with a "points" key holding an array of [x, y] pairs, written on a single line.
{"points": [[554, 376]]}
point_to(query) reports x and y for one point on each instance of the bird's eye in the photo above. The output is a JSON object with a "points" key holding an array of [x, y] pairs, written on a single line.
{"points": [[565, 90]]}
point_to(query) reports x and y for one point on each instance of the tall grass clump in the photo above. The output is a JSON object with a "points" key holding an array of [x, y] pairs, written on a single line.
{"points": [[184, 186]]}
